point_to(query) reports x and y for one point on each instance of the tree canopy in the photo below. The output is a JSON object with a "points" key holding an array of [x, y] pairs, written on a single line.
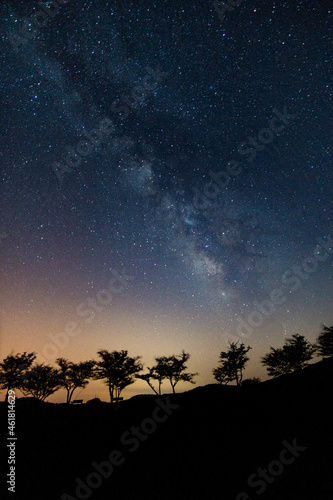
{"points": [[13, 370], [42, 381], [74, 375], [117, 369], [171, 368]]}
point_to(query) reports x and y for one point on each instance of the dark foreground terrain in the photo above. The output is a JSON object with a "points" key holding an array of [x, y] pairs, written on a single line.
{"points": [[273, 441]]}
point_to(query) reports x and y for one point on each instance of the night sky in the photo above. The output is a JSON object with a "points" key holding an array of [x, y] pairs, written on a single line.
{"points": [[166, 179]]}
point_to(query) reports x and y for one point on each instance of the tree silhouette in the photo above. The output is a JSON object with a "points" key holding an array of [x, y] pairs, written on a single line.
{"points": [[276, 362], [172, 368], [117, 369], [293, 356], [232, 364], [299, 351], [42, 381], [325, 342], [224, 374], [160, 371], [13, 370], [74, 375], [148, 377]]}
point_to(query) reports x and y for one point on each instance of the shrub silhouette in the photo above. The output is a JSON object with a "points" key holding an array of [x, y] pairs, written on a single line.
{"points": [[250, 382]]}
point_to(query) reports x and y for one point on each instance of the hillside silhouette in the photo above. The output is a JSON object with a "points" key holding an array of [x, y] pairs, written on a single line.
{"points": [[207, 447]]}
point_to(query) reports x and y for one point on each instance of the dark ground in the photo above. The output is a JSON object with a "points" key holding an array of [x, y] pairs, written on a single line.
{"points": [[206, 449]]}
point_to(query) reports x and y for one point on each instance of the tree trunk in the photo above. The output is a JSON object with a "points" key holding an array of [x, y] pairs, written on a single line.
{"points": [[241, 378], [236, 377], [153, 389], [70, 394]]}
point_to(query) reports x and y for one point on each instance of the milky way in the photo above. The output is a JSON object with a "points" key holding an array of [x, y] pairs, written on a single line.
{"points": [[185, 146]]}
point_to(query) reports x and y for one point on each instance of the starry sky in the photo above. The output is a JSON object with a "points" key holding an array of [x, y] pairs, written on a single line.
{"points": [[166, 178]]}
